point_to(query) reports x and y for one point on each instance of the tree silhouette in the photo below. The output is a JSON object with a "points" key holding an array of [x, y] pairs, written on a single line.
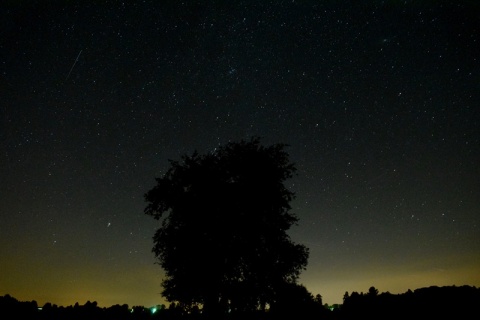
{"points": [[223, 239], [372, 291]]}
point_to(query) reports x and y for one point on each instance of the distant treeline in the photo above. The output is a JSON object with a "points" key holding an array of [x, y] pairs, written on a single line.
{"points": [[454, 302]]}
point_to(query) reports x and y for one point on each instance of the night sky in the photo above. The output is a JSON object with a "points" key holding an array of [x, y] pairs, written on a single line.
{"points": [[379, 102]]}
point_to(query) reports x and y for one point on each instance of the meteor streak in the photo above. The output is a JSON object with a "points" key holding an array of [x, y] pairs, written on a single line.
{"points": [[73, 65]]}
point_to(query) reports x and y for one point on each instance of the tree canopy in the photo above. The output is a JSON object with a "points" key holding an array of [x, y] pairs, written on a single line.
{"points": [[223, 241]]}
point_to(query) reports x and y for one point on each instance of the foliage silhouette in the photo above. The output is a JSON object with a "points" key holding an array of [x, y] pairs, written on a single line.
{"points": [[433, 302], [425, 303], [223, 239]]}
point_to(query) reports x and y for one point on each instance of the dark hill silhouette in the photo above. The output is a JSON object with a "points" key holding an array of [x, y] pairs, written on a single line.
{"points": [[454, 302]]}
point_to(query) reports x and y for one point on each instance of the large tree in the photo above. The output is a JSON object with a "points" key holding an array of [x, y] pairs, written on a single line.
{"points": [[223, 241]]}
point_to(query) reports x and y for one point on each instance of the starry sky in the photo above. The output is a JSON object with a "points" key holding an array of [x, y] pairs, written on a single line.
{"points": [[378, 101]]}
